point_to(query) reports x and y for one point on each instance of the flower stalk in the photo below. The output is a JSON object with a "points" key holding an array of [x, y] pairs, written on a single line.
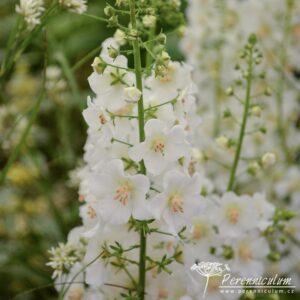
{"points": [[141, 122], [249, 77]]}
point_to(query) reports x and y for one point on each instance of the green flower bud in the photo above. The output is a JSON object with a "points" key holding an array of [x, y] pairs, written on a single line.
{"points": [[229, 91], [252, 39], [274, 256], [109, 11], [112, 52], [99, 65]]}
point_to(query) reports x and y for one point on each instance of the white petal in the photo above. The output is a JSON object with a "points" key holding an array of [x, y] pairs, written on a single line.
{"points": [[157, 204], [95, 273], [137, 152], [154, 126]]}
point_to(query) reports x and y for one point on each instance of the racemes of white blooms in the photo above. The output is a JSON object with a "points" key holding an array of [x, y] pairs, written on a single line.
{"points": [[174, 195], [77, 6], [32, 11]]}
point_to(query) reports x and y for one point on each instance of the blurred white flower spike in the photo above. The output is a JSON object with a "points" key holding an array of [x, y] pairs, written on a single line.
{"points": [[76, 6], [32, 11]]}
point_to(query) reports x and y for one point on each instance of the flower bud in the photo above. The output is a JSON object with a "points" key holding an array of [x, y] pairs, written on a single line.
{"points": [[181, 31], [113, 21], [133, 34], [252, 39], [253, 168], [109, 11], [256, 111], [229, 91], [268, 92], [268, 159], [99, 65], [227, 113], [112, 52], [197, 154], [120, 37], [132, 94], [162, 38], [222, 141], [149, 21]]}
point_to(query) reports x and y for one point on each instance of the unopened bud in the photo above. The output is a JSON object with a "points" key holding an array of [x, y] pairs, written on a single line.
{"points": [[120, 37], [229, 91], [112, 52], [197, 154], [268, 92], [222, 141], [109, 11], [162, 38], [181, 31], [132, 94], [256, 111], [253, 168], [268, 159], [99, 65], [149, 21]]}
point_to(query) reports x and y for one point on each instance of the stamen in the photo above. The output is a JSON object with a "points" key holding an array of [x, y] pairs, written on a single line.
{"points": [[102, 119], [176, 204], [158, 146], [123, 193], [91, 212]]}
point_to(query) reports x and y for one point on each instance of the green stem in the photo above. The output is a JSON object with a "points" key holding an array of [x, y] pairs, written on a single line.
{"points": [[281, 80], [141, 121], [243, 125]]}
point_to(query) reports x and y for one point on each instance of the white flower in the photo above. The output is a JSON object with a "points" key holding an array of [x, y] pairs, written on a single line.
{"points": [[249, 255], [31, 10], [178, 202], [94, 115], [161, 147], [235, 215], [176, 78], [264, 210], [109, 86], [77, 6], [95, 273], [132, 94], [121, 195]]}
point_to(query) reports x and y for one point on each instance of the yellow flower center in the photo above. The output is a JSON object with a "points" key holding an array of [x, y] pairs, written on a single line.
{"points": [[233, 214], [168, 75], [91, 212], [163, 294], [123, 192], [75, 294], [199, 231], [102, 119], [245, 252], [158, 146], [176, 203]]}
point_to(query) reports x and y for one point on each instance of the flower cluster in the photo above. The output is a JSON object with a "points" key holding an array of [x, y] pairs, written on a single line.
{"points": [[32, 11], [149, 210]]}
